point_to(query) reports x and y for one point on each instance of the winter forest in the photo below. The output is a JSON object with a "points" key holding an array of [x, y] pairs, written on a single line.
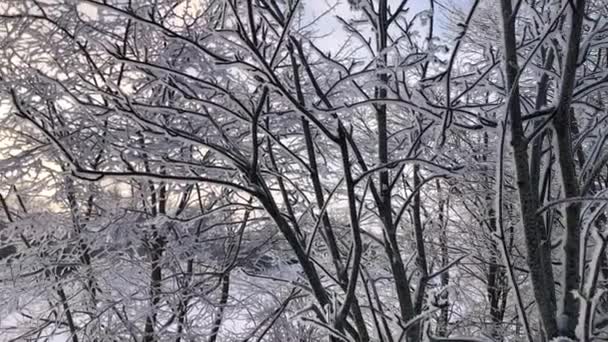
{"points": [[304, 170]]}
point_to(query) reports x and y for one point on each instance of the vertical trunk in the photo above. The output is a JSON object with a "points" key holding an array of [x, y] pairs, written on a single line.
{"points": [[350, 297], [420, 250], [496, 286], [568, 305], [68, 312], [327, 232], [185, 282], [217, 323], [444, 315], [83, 247], [385, 205], [537, 144], [184, 301], [155, 287], [308, 267], [182, 310], [537, 250], [505, 249], [156, 244]]}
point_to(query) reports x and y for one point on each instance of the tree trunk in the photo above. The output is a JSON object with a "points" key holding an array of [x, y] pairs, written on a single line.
{"points": [[538, 251], [568, 305]]}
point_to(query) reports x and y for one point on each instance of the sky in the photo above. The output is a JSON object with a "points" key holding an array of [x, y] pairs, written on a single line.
{"points": [[328, 23], [324, 12]]}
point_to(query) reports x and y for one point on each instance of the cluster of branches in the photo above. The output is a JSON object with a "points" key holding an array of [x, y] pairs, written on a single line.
{"points": [[214, 172]]}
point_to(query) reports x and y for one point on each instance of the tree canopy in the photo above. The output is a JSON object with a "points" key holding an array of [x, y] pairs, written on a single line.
{"points": [[236, 170]]}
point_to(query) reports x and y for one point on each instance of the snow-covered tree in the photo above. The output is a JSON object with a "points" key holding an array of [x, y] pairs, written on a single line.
{"points": [[227, 170]]}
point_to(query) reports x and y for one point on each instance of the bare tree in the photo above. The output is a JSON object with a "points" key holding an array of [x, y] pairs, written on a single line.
{"points": [[425, 176]]}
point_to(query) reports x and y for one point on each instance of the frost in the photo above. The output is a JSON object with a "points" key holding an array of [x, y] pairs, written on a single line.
{"points": [[244, 170]]}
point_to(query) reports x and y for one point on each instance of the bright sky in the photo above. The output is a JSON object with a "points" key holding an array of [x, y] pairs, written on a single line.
{"points": [[333, 34]]}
